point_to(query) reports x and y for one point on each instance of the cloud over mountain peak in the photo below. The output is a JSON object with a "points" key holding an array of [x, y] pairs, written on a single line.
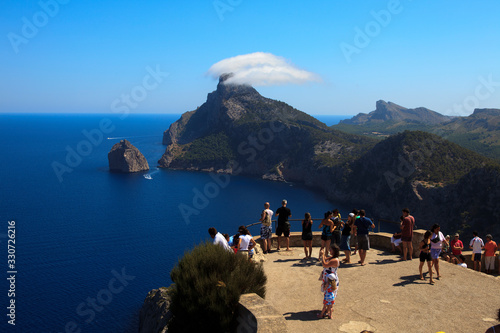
{"points": [[261, 69]]}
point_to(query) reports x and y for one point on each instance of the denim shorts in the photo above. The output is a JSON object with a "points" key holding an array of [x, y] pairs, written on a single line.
{"points": [[435, 253]]}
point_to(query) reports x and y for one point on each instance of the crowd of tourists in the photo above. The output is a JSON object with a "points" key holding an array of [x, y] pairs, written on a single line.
{"points": [[337, 235], [242, 242], [436, 246]]}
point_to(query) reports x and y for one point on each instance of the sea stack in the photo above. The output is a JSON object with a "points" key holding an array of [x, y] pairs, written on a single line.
{"points": [[125, 157]]}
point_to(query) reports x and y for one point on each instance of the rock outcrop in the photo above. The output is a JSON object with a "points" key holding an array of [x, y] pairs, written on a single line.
{"points": [[124, 157], [155, 315]]}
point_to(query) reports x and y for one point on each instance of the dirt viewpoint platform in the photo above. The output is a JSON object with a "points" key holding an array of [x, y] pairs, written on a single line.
{"points": [[384, 296]]}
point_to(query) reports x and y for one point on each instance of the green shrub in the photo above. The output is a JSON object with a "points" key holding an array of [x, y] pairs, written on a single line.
{"points": [[208, 282]]}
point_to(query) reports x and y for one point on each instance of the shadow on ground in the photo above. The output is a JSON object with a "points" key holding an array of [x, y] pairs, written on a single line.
{"points": [[302, 316], [410, 279], [286, 260], [385, 261], [307, 263], [385, 254]]}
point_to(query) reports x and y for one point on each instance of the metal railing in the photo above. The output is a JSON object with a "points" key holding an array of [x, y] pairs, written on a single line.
{"points": [[375, 221]]}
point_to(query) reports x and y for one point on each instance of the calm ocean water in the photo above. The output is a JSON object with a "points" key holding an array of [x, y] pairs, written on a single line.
{"points": [[90, 244]]}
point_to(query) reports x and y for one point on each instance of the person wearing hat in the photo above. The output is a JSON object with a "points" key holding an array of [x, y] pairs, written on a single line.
{"points": [[329, 288], [490, 249], [456, 247]]}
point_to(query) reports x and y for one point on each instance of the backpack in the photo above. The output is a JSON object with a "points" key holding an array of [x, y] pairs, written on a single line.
{"points": [[267, 219]]}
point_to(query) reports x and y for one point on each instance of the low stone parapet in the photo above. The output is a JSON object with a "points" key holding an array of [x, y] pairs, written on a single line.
{"points": [[257, 315], [381, 240]]}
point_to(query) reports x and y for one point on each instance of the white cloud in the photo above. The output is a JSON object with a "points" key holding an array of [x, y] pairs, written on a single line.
{"points": [[261, 69]]}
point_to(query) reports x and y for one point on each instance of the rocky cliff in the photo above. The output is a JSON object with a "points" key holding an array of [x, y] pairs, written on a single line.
{"points": [[155, 315], [124, 157], [238, 131]]}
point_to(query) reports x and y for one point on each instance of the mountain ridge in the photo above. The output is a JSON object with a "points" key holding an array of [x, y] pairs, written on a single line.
{"points": [[388, 111], [242, 132], [479, 131]]}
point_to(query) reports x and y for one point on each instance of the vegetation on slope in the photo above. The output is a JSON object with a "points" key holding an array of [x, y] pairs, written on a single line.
{"points": [[479, 132], [214, 149], [208, 283]]}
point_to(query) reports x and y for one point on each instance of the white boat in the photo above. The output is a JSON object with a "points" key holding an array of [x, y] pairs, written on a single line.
{"points": [[148, 176]]}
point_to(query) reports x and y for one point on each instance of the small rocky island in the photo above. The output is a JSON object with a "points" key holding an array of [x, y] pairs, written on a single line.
{"points": [[125, 157]]}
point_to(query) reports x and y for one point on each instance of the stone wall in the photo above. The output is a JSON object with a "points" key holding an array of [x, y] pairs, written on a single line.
{"points": [[380, 240], [257, 315]]}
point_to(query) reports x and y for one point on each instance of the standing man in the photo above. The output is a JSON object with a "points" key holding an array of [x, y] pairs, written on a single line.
{"points": [[283, 213], [490, 249], [362, 226], [456, 247], [407, 233], [218, 238], [266, 228], [476, 244]]}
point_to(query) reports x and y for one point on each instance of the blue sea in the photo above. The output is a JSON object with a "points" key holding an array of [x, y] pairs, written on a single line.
{"points": [[90, 244]]}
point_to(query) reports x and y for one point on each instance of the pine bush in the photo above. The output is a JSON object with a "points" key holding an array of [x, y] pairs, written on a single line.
{"points": [[208, 282]]}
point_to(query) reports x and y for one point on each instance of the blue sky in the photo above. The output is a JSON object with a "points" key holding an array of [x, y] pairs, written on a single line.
{"points": [[83, 56]]}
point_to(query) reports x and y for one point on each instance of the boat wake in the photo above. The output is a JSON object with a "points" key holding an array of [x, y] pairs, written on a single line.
{"points": [[149, 175], [130, 137]]}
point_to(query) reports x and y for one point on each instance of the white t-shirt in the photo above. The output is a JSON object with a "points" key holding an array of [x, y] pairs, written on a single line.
{"points": [[439, 243], [395, 241], [477, 244], [220, 240], [244, 242]]}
